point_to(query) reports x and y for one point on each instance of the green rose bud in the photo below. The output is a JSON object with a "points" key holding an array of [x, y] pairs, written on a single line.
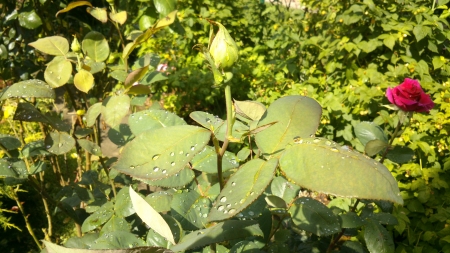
{"points": [[223, 49], [75, 45]]}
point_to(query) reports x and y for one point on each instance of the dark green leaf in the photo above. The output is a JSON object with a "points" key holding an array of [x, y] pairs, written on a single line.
{"points": [[118, 240], [224, 231], [180, 179], [30, 20], [98, 218], [312, 216], [123, 206], [12, 167], [377, 238], [59, 143], [95, 46], [9, 142], [90, 147]]}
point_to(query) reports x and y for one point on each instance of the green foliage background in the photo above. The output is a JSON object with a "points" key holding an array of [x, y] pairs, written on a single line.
{"points": [[344, 54]]}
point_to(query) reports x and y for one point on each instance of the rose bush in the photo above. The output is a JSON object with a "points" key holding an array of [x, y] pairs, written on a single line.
{"points": [[410, 97]]}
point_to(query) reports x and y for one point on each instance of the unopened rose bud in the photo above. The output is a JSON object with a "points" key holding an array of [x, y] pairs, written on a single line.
{"points": [[75, 45], [223, 50]]}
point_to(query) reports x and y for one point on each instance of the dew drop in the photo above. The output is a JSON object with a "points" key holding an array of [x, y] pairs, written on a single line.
{"points": [[132, 167], [228, 205], [251, 193], [223, 199], [298, 140], [220, 208], [328, 143], [205, 215], [187, 154], [192, 148], [60, 145], [233, 184], [172, 163], [231, 211], [172, 153], [155, 157], [164, 171], [242, 201], [251, 213], [181, 152], [334, 149], [155, 169]]}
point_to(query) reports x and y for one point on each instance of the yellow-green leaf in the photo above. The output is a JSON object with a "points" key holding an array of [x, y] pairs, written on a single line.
{"points": [[72, 5], [150, 216], [58, 72], [98, 13], [120, 17], [83, 80], [95, 46], [54, 45]]}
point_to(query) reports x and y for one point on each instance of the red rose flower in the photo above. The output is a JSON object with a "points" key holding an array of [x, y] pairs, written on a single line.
{"points": [[410, 97]]}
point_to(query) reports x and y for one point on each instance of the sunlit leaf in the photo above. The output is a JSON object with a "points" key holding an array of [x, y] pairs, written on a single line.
{"points": [[54, 45], [72, 5]]}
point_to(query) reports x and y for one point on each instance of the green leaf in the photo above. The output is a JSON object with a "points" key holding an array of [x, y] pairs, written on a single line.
{"points": [[99, 13], [190, 209], [178, 180], [13, 167], [83, 132], [155, 239], [83, 80], [29, 20], [367, 131], [438, 62], [118, 240], [251, 110], [176, 146], [248, 247], [243, 188], [153, 77], [90, 147], [282, 188], [365, 178], [224, 231], [9, 142], [153, 119], [27, 112], [164, 7], [72, 5], [114, 108], [377, 238], [59, 143], [98, 218], [123, 206], [400, 154], [296, 116], [135, 76], [352, 247], [207, 120], [34, 148], [152, 218], [92, 114], [58, 72], [84, 242], [275, 201], [421, 31], [120, 134], [374, 147], [95, 46], [53, 248], [351, 220], [115, 224], [28, 89], [312, 216], [119, 75], [389, 41], [160, 201], [54, 45], [206, 161]]}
